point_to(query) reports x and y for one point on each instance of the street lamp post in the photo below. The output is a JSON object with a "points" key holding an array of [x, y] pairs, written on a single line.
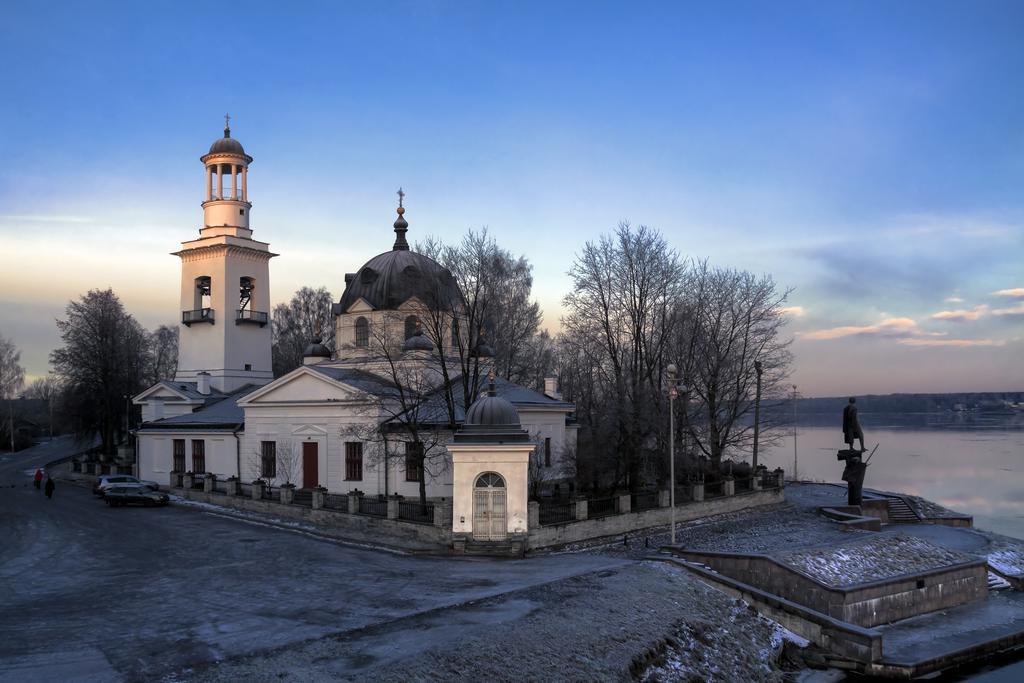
{"points": [[758, 368], [794, 435], [673, 391]]}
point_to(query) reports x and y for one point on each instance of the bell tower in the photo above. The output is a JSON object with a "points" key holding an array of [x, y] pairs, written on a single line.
{"points": [[225, 281]]}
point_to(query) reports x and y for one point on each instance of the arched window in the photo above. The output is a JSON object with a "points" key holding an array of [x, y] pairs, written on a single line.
{"points": [[490, 480], [362, 332], [204, 287], [410, 326], [245, 287]]}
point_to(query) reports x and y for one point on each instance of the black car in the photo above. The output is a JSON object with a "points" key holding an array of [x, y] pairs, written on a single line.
{"points": [[134, 494]]}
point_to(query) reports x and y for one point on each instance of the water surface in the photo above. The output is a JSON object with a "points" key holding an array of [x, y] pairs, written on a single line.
{"points": [[970, 463]]}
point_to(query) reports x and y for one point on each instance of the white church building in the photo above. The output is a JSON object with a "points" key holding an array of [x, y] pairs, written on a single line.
{"points": [[346, 419]]}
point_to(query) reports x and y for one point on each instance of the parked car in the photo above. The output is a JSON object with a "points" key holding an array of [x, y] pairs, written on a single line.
{"points": [[108, 480], [134, 494]]}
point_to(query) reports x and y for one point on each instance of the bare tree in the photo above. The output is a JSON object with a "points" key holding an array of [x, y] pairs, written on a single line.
{"points": [[299, 322], [164, 348], [731, 320], [495, 307], [412, 414], [286, 465], [12, 377], [104, 358], [51, 390], [621, 317]]}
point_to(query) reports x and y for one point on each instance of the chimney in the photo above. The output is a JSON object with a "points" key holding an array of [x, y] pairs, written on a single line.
{"points": [[551, 388], [203, 383]]}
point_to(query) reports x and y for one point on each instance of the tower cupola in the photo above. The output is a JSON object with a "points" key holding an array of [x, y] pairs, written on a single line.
{"points": [[226, 205]]}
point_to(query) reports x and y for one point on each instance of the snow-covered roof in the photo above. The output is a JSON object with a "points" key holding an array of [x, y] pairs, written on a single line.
{"points": [[434, 409], [222, 413], [358, 379]]}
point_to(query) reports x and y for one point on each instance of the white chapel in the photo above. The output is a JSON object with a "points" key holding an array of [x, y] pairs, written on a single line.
{"points": [[352, 418]]}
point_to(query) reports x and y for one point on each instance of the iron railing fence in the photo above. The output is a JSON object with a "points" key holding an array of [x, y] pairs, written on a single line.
{"points": [[200, 315], [220, 486], [684, 494], [245, 490], [198, 483], [743, 485], [557, 512], [244, 315], [644, 501], [378, 507], [602, 507], [336, 501], [714, 489], [303, 497], [414, 511], [272, 493]]}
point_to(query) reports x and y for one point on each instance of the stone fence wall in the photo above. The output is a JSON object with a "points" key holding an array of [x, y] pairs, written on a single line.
{"points": [[345, 514], [867, 604], [585, 526]]}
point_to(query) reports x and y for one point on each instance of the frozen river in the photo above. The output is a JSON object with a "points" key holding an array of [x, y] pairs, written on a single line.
{"points": [[972, 464]]}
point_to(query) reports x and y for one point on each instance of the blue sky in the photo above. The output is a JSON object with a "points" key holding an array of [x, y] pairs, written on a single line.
{"points": [[869, 155]]}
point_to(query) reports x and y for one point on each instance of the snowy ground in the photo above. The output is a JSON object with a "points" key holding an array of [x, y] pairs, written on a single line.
{"points": [[871, 559], [648, 620]]}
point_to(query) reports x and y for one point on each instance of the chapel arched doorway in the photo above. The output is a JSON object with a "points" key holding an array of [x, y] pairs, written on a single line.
{"points": [[489, 522]]}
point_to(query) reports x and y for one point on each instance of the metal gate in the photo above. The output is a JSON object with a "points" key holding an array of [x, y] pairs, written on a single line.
{"points": [[489, 508]]}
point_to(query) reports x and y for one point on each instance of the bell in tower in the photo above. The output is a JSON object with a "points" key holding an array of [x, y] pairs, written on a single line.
{"points": [[225, 281]]}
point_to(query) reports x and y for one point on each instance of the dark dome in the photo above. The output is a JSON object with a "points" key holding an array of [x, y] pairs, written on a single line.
{"points": [[418, 342], [491, 419], [388, 280], [492, 411], [316, 350], [226, 145]]}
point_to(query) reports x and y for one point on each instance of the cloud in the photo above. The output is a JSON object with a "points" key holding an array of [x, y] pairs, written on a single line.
{"points": [[40, 218], [950, 342], [890, 327], [1012, 312], [961, 315], [1015, 293], [795, 311], [953, 300]]}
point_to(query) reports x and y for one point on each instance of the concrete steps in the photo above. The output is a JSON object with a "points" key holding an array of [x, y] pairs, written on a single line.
{"points": [[996, 582], [900, 512], [494, 549]]}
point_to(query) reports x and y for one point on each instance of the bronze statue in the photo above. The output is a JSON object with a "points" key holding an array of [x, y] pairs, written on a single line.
{"points": [[856, 467], [851, 426]]}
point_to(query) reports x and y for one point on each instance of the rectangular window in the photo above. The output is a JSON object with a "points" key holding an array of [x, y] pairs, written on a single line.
{"points": [[179, 455], [547, 451], [354, 461], [413, 457], [268, 459], [198, 456]]}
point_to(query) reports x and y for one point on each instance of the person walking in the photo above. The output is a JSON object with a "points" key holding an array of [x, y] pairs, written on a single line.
{"points": [[38, 479], [50, 486]]}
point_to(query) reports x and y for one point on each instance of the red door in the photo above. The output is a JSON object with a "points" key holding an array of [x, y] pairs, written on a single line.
{"points": [[310, 475]]}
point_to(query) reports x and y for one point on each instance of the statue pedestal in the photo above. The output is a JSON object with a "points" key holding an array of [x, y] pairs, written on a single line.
{"points": [[853, 475]]}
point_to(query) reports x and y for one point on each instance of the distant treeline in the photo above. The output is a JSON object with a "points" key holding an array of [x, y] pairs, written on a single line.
{"points": [[996, 401]]}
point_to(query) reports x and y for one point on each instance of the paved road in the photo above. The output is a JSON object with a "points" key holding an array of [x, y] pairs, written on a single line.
{"points": [[93, 593]]}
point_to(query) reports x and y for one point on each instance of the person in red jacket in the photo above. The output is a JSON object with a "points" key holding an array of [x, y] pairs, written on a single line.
{"points": [[38, 479]]}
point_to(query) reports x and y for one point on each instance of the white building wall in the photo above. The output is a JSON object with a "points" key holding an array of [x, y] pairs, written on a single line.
{"points": [[331, 426]]}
